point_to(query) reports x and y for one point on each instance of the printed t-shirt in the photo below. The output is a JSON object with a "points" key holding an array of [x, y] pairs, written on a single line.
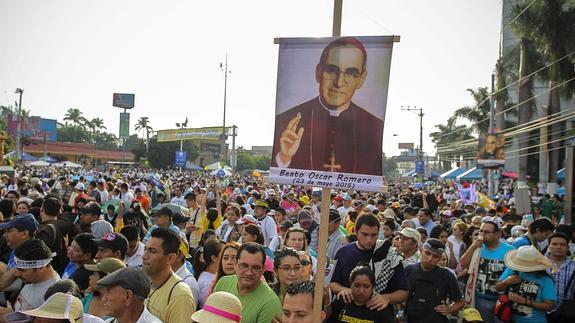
{"points": [[32, 295], [342, 312], [491, 266], [536, 287], [259, 306]]}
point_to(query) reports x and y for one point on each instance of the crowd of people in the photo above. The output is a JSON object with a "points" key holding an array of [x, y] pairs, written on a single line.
{"points": [[133, 245]]}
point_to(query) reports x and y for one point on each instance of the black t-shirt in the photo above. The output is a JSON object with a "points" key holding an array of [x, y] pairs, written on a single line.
{"points": [[342, 312], [444, 285], [82, 277], [349, 256], [55, 233]]}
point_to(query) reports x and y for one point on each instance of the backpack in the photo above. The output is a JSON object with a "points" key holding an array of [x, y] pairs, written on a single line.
{"points": [[423, 297]]}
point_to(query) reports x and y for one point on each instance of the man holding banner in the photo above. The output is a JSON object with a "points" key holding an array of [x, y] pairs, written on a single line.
{"points": [[330, 132]]}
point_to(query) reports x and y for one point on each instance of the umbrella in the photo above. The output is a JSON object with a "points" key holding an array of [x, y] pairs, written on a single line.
{"points": [[174, 207], [39, 163], [115, 203], [221, 172], [68, 164]]}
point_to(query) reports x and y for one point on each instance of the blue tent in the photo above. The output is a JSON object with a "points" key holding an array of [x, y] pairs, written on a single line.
{"points": [[49, 159], [474, 173], [561, 174], [25, 156], [453, 173]]}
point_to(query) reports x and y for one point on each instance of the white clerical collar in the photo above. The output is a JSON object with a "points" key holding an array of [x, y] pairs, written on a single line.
{"points": [[334, 113]]}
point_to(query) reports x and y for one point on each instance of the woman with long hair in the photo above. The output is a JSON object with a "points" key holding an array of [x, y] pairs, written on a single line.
{"points": [[230, 229], [205, 263], [296, 239], [228, 260], [287, 268]]}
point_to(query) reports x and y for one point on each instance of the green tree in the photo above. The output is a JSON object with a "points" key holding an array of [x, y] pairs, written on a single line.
{"points": [[389, 166], [550, 26], [478, 114], [143, 125], [245, 161], [75, 116], [163, 154], [262, 162], [452, 141]]}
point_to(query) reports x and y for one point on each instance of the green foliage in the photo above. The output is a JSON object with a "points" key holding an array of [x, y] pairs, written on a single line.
{"points": [[262, 162], [245, 161], [163, 154], [389, 166]]}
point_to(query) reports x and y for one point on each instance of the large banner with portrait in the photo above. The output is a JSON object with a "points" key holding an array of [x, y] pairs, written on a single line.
{"points": [[330, 111], [491, 151]]}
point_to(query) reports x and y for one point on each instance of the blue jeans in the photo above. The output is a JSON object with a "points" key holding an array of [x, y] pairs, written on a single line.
{"points": [[485, 308]]}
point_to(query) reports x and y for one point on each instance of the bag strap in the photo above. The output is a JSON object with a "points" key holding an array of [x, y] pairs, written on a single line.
{"points": [[569, 284]]}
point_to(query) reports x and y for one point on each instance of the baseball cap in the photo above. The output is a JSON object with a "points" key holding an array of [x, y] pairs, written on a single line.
{"points": [[304, 215], [91, 208], [80, 187], [185, 249], [304, 199], [338, 198], [434, 246], [396, 205], [130, 278], [347, 197], [388, 214], [107, 265], [249, 219], [113, 240], [472, 314], [260, 203], [22, 222], [411, 233]]}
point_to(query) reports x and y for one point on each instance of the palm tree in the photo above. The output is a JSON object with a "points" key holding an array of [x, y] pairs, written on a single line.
{"points": [[447, 139], [96, 125], [75, 116], [143, 124], [552, 29], [479, 113]]}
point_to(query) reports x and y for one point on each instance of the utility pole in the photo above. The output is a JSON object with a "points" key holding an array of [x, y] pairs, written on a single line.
{"points": [[224, 136], [19, 126], [233, 159], [420, 114]]}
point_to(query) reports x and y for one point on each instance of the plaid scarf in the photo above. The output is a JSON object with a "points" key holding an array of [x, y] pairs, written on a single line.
{"points": [[384, 261]]}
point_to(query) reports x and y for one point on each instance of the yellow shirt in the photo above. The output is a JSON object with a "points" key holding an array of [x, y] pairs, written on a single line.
{"points": [[177, 307]]}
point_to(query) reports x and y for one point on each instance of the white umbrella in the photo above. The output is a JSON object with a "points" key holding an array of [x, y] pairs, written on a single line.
{"points": [[221, 172], [39, 163], [68, 164]]}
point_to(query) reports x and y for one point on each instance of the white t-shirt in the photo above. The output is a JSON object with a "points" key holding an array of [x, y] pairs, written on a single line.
{"points": [[135, 260], [205, 282], [32, 295], [268, 226], [275, 243], [181, 201]]}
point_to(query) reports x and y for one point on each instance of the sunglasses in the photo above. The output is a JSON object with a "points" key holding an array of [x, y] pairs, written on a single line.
{"points": [[305, 263]]}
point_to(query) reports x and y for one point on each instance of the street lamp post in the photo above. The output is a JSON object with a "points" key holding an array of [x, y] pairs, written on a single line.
{"points": [[223, 136], [19, 126]]}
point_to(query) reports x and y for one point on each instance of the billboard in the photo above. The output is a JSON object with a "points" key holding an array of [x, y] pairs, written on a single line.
{"points": [[123, 100], [330, 110], [405, 145], [491, 151], [206, 133], [124, 125], [33, 127]]}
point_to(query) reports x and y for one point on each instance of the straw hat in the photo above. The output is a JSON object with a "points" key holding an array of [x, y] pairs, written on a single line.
{"points": [[526, 259], [59, 306], [221, 307]]}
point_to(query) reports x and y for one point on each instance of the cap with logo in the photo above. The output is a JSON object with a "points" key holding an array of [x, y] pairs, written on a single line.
{"points": [[22, 222], [113, 240]]}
